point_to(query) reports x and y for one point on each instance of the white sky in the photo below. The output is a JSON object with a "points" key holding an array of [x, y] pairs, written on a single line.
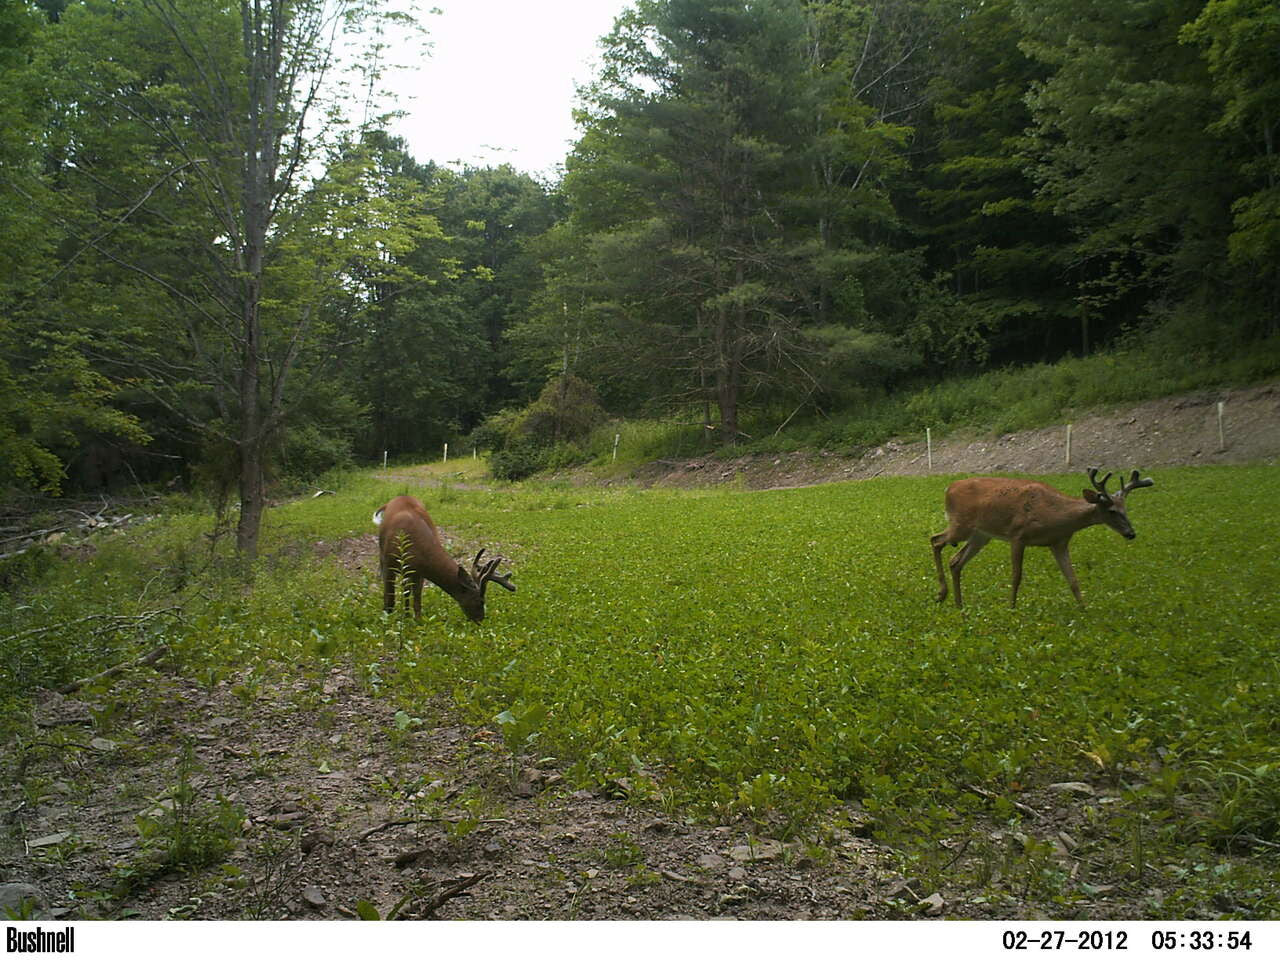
{"points": [[498, 84]]}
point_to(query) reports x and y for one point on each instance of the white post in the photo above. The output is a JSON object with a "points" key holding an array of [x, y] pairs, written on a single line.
{"points": [[446, 453], [384, 459], [616, 438], [1068, 444], [473, 453], [1222, 438], [928, 443]]}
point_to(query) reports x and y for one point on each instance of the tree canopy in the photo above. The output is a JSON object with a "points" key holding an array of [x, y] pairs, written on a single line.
{"points": [[218, 263]]}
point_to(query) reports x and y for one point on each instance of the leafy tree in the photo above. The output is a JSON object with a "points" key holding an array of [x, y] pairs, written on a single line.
{"points": [[697, 142], [1240, 40], [1118, 148], [493, 215], [49, 391], [209, 157], [1004, 251]]}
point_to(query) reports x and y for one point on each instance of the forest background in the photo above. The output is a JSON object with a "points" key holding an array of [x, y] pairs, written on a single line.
{"points": [[784, 222]]}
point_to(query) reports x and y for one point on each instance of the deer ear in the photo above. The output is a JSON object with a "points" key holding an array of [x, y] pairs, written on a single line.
{"points": [[1093, 496], [464, 578]]}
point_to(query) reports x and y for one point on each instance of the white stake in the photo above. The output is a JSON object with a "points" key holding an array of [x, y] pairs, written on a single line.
{"points": [[616, 438], [1068, 444], [1222, 437], [446, 453], [384, 459], [928, 443]]}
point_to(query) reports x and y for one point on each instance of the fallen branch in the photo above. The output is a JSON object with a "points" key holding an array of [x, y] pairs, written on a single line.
{"points": [[988, 795], [958, 854], [406, 823], [448, 891], [114, 618], [143, 660]]}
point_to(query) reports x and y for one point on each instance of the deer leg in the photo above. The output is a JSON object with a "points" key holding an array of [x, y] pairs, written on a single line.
{"points": [[388, 588], [1016, 548], [1062, 553], [417, 598], [940, 540], [970, 550]]}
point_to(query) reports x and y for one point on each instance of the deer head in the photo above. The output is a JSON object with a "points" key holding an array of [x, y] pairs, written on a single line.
{"points": [[1111, 505], [472, 584]]}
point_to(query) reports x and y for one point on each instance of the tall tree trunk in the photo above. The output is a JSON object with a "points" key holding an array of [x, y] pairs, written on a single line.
{"points": [[263, 38], [249, 441]]}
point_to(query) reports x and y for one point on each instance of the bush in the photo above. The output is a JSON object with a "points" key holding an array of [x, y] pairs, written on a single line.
{"points": [[566, 410], [517, 460], [310, 451], [495, 431], [548, 433]]}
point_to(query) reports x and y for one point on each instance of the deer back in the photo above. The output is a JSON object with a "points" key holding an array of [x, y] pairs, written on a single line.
{"points": [[408, 539], [1009, 508]]}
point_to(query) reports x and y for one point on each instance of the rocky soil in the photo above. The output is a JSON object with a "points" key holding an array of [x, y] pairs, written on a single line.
{"points": [[1174, 431], [335, 806]]}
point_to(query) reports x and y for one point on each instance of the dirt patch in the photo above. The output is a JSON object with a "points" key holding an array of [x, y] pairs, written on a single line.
{"points": [[337, 799], [353, 554], [1174, 431]]}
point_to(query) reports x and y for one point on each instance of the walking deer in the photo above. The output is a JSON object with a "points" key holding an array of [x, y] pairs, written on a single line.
{"points": [[1027, 513], [409, 547]]}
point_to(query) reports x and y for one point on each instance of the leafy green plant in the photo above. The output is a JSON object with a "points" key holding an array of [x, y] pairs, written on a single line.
{"points": [[182, 832]]}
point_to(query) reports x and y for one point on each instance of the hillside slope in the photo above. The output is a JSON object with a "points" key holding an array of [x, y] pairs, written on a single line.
{"points": [[1173, 431]]}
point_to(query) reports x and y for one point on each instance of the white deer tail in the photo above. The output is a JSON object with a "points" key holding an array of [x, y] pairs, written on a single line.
{"points": [[377, 517]]}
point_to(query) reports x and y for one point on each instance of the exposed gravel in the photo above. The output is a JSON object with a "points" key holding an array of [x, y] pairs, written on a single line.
{"points": [[1174, 431]]}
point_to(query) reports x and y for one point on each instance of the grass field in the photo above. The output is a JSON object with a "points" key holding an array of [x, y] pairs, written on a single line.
{"points": [[779, 656]]}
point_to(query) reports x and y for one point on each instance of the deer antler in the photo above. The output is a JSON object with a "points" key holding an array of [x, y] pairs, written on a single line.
{"points": [[484, 574], [1134, 483], [1100, 486]]}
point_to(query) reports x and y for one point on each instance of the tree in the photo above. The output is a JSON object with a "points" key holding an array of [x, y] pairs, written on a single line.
{"points": [[49, 391], [232, 184], [695, 148], [1001, 245], [1240, 40], [1118, 148]]}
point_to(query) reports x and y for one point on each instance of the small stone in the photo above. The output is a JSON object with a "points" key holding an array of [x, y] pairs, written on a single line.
{"points": [[711, 861], [1072, 786], [764, 850], [737, 873], [314, 897], [933, 905], [49, 840], [14, 895]]}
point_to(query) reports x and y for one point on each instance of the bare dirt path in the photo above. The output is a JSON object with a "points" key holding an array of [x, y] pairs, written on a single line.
{"points": [[1174, 431]]}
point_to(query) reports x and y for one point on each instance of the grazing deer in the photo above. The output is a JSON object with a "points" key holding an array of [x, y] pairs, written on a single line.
{"points": [[409, 547], [1027, 513]]}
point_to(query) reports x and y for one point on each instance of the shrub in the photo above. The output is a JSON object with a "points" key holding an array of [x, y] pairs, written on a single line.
{"points": [[567, 409], [517, 460]]}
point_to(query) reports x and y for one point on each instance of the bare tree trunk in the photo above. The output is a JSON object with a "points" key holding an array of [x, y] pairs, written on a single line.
{"points": [[263, 37]]}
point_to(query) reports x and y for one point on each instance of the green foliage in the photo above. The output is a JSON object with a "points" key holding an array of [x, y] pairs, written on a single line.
{"points": [[757, 658], [544, 434], [1186, 354], [517, 460], [566, 409], [185, 834]]}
